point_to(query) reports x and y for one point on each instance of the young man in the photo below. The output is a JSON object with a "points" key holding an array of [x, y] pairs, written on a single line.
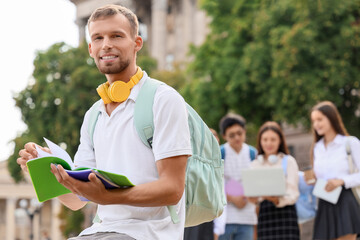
{"points": [[240, 213], [139, 212]]}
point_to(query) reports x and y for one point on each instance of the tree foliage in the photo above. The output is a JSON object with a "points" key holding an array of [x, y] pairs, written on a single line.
{"points": [[273, 60], [53, 105], [145, 61], [71, 222], [175, 78]]}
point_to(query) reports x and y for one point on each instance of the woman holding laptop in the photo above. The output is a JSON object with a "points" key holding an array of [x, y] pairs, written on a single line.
{"points": [[277, 214], [330, 159]]}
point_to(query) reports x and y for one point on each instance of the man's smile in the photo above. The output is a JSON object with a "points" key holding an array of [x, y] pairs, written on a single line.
{"points": [[108, 57]]}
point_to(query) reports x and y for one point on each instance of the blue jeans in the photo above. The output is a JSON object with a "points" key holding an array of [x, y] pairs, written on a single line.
{"points": [[238, 232]]}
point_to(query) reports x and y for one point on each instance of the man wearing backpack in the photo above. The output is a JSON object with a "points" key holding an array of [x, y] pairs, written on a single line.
{"points": [[240, 213], [158, 172]]}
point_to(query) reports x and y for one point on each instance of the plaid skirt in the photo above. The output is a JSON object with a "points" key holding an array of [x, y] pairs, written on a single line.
{"points": [[277, 223], [336, 220]]}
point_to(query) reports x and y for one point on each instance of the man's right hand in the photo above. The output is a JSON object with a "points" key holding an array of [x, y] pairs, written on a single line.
{"points": [[29, 152]]}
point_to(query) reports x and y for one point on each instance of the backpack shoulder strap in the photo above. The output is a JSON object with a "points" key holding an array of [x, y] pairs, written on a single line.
{"points": [[348, 153], [347, 145], [144, 121], [253, 152], [143, 113], [93, 117], [284, 163], [222, 149]]}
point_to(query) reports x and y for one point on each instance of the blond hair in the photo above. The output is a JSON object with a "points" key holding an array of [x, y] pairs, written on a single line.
{"points": [[111, 10]]}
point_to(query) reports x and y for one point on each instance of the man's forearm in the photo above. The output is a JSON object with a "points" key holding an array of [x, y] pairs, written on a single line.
{"points": [[167, 190], [153, 194], [71, 201]]}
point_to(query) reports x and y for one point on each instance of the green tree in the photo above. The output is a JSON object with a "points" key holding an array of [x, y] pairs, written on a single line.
{"points": [[55, 101], [175, 78], [71, 222], [273, 60], [146, 62]]}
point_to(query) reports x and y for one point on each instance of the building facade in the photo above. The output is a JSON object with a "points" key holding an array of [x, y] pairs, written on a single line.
{"points": [[15, 221], [299, 142]]}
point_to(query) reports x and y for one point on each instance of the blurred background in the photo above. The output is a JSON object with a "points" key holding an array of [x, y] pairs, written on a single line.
{"points": [[265, 60]]}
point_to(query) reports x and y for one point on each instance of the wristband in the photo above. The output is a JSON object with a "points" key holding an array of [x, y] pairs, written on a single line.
{"points": [[307, 168]]}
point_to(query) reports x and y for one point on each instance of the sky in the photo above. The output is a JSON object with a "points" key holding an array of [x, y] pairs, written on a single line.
{"points": [[27, 26]]}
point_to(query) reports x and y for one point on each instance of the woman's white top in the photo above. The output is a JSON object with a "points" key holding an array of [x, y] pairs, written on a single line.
{"points": [[331, 161]]}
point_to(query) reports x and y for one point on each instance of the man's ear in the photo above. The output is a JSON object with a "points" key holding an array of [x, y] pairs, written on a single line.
{"points": [[90, 51], [138, 43], [224, 137]]}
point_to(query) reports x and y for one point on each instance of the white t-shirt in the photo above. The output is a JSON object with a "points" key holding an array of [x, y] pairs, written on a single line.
{"points": [[119, 149], [233, 164]]}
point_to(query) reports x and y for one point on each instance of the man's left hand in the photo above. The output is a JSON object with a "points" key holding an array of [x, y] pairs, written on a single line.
{"points": [[92, 190]]}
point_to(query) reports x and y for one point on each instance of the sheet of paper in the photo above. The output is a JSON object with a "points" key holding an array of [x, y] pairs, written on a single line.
{"points": [[41, 153], [57, 151], [320, 192]]}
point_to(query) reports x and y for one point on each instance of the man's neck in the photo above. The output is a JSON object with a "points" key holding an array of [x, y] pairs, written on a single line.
{"points": [[237, 149], [124, 76], [110, 107]]}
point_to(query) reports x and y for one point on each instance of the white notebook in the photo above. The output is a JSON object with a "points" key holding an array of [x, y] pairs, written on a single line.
{"points": [[258, 182], [320, 192]]}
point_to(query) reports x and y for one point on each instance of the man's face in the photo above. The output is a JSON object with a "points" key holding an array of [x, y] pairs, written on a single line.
{"points": [[235, 136], [112, 46]]}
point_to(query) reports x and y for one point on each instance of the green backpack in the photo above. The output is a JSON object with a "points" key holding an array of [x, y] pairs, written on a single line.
{"points": [[204, 186]]}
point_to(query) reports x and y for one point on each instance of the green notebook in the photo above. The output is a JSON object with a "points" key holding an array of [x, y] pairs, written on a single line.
{"points": [[45, 184]]}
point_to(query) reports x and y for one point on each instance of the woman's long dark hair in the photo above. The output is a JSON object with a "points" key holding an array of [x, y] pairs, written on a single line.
{"points": [[330, 111], [275, 127]]}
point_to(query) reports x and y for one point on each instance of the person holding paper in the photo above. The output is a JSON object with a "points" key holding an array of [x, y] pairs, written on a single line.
{"points": [[138, 212], [240, 213], [277, 214], [340, 220]]}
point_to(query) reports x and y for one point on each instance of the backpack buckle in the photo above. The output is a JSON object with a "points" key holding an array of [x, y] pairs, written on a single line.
{"points": [[150, 140]]}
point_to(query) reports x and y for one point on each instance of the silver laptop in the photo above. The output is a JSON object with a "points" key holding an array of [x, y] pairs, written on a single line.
{"points": [[259, 182]]}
